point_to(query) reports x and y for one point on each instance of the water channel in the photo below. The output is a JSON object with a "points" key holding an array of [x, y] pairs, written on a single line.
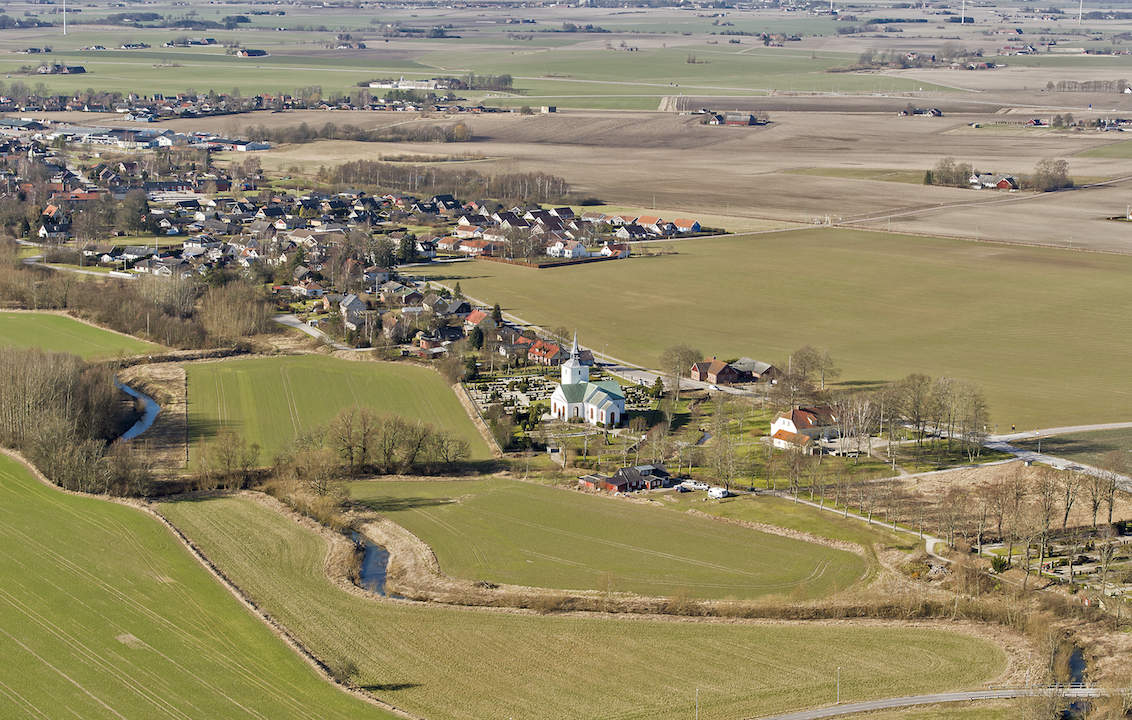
{"points": [[148, 415], [375, 563]]}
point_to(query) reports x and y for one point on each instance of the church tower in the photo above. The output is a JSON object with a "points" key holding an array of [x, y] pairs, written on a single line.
{"points": [[573, 371]]}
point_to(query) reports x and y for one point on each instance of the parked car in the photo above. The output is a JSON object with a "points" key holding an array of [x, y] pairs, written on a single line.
{"points": [[700, 486]]}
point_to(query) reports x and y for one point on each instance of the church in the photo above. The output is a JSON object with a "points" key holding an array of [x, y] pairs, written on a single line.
{"points": [[590, 402]]}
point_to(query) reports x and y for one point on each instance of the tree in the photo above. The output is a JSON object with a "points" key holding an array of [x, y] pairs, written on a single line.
{"points": [[497, 315], [1051, 174], [677, 360], [814, 366], [229, 458], [916, 403], [406, 250]]}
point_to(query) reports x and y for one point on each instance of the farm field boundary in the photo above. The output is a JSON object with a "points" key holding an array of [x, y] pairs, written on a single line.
{"points": [[993, 314], [58, 332], [496, 530], [504, 662], [139, 629], [269, 400]]}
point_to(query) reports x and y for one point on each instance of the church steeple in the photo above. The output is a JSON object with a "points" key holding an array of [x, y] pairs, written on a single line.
{"points": [[573, 371]]}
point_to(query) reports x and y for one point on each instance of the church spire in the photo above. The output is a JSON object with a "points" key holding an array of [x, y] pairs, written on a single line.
{"points": [[573, 371]]}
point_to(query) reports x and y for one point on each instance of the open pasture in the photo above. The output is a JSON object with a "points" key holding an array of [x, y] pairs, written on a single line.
{"points": [[106, 615], [883, 305], [59, 333], [269, 400], [459, 664], [520, 533]]}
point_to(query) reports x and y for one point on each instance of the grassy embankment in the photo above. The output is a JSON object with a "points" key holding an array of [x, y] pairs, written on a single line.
{"points": [[447, 663], [269, 400], [883, 305], [63, 334], [107, 616], [520, 533]]}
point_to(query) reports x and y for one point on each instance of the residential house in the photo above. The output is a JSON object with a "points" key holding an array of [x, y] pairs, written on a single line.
{"points": [[632, 231], [615, 250], [480, 319], [813, 422], [685, 226], [567, 249], [546, 353]]}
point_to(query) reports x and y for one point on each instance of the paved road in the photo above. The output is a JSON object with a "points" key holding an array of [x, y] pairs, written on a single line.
{"points": [[939, 698], [293, 322]]}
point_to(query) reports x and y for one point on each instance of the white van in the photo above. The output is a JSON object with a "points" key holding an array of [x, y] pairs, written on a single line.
{"points": [[717, 493]]}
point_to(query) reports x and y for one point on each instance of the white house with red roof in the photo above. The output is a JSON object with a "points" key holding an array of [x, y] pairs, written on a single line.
{"points": [[810, 422]]}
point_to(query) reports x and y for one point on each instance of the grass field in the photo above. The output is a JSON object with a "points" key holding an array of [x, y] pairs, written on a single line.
{"points": [[448, 663], [795, 516], [1089, 448], [269, 400], [525, 534], [107, 616], [1120, 151], [883, 305], [63, 334]]}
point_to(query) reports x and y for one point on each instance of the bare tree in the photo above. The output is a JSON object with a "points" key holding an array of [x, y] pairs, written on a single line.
{"points": [[1070, 486], [676, 360]]}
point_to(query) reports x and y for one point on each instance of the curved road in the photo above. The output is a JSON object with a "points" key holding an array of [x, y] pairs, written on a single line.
{"points": [[851, 708]]}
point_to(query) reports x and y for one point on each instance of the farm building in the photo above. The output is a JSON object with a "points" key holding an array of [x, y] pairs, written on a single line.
{"points": [[994, 182], [640, 477], [714, 371], [755, 370]]}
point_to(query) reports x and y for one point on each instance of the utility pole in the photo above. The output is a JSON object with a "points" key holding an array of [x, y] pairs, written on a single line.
{"points": [[838, 686]]}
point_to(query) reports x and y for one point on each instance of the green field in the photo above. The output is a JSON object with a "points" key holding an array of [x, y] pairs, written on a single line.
{"points": [[883, 305], [785, 513], [1088, 448], [526, 534], [106, 615], [1120, 150], [269, 400], [449, 663], [63, 334]]}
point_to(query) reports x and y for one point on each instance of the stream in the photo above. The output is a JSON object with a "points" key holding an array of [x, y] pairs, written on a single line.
{"points": [[375, 562], [148, 416]]}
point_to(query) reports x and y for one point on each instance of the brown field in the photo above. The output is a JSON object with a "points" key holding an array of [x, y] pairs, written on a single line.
{"points": [[738, 172], [937, 485]]}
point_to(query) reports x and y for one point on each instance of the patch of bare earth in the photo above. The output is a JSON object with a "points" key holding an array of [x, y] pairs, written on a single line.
{"points": [[973, 480]]}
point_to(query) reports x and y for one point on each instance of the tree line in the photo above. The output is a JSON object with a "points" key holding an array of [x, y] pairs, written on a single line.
{"points": [[175, 312], [62, 413], [357, 441], [534, 187], [303, 133], [1093, 86]]}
